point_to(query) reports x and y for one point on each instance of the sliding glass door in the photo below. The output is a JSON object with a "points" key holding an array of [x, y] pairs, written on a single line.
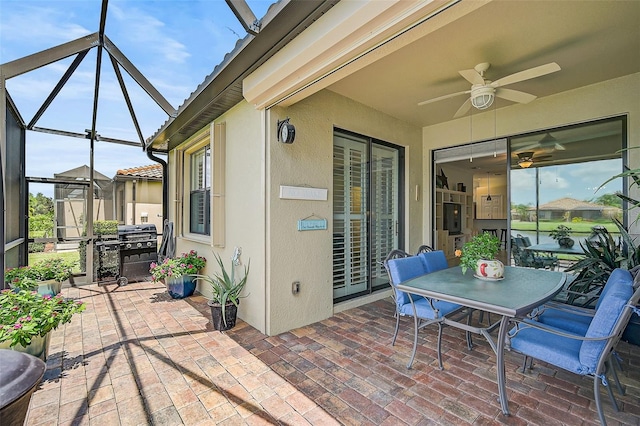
{"points": [[366, 212]]}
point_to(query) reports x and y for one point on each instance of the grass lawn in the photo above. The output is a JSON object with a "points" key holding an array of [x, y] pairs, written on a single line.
{"points": [[576, 227], [72, 256]]}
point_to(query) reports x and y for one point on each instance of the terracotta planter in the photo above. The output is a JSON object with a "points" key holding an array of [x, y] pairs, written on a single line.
{"points": [[39, 347], [181, 287], [230, 313]]}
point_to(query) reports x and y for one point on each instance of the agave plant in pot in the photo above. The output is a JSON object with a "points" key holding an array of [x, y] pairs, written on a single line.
{"points": [[479, 254], [226, 291]]}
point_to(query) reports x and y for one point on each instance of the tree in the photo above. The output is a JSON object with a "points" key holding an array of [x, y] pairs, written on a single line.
{"points": [[522, 210], [40, 204], [608, 200]]}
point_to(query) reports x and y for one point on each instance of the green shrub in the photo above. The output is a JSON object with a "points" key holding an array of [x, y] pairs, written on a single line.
{"points": [[36, 247]]}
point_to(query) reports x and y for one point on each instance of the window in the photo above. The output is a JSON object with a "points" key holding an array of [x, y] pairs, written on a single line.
{"points": [[200, 191]]}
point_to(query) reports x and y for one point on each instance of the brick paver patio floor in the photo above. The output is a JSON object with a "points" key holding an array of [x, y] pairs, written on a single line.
{"points": [[137, 357]]}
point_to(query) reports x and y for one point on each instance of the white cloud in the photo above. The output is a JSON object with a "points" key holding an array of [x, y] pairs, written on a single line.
{"points": [[38, 26], [149, 34]]}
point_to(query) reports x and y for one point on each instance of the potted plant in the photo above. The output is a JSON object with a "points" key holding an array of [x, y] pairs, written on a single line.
{"points": [[45, 276], [562, 235], [479, 254], [27, 317], [226, 293], [179, 273]]}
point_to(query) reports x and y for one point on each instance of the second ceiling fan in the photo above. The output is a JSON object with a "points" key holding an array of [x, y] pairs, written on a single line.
{"points": [[483, 92]]}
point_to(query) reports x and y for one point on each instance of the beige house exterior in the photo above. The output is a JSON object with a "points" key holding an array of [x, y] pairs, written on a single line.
{"points": [[138, 195], [321, 81]]}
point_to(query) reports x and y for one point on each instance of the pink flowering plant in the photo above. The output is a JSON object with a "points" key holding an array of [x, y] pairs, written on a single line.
{"points": [[54, 268], [27, 314], [187, 264]]}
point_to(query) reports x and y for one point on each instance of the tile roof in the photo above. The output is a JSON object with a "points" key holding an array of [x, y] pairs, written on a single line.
{"points": [[571, 204], [153, 171]]}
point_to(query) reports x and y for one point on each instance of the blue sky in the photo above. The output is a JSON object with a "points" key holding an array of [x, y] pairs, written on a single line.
{"points": [[174, 43], [580, 181]]}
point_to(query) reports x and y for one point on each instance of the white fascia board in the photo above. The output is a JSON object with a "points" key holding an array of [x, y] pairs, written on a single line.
{"points": [[346, 31]]}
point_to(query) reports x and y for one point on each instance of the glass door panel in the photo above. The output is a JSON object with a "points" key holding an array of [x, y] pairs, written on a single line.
{"points": [[366, 211]]}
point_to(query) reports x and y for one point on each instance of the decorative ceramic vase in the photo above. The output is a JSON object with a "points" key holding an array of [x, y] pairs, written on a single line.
{"points": [[39, 346], [181, 287], [230, 314], [489, 269]]}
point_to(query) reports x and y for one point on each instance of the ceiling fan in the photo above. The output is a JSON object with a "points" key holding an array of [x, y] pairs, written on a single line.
{"points": [[525, 159], [484, 91], [548, 143]]}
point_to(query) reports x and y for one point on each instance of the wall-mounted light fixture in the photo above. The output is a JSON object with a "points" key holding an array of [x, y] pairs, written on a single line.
{"points": [[286, 131]]}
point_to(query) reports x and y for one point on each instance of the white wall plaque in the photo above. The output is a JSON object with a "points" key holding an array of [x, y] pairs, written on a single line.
{"points": [[303, 193]]}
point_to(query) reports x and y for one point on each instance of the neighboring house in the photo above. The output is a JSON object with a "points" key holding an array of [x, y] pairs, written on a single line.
{"points": [[138, 195], [349, 76], [70, 201], [569, 208]]}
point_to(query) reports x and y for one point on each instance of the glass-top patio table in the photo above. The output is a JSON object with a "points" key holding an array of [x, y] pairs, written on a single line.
{"points": [[555, 248], [521, 290]]}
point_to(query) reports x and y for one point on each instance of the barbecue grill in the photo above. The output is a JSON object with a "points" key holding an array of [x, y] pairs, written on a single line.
{"points": [[138, 249]]}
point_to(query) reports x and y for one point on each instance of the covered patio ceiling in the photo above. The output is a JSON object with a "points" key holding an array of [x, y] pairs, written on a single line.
{"points": [[592, 41]]}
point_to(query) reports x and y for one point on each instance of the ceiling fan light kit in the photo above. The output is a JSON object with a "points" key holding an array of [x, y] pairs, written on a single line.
{"points": [[483, 92], [525, 159], [482, 97]]}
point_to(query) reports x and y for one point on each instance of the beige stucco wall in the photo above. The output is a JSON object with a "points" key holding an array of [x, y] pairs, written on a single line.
{"points": [[307, 256], [244, 208], [610, 98]]}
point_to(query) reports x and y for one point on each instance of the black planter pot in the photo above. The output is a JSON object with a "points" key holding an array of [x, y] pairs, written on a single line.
{"points": [[20, 375], [231, 313], [565, 242]]}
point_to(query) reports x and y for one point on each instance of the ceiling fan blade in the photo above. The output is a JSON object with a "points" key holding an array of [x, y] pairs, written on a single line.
{"points": [[452, 95], [472, 76], [463, 109], [514, 95], [559, 147], [527, 74]]}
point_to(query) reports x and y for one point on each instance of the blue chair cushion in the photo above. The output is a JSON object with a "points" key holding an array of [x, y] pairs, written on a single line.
{"points": [[434, 260], [560, 351], [610, 309], [575, 322], [423, 308], [618, 277], [404, 269], [564, 320]]}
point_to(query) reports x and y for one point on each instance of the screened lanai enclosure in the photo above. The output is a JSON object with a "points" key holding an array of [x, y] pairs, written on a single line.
{"points": [[53, 209]]}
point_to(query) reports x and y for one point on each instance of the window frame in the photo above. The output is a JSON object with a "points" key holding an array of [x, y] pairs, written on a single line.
{"points": [[213, 138]]}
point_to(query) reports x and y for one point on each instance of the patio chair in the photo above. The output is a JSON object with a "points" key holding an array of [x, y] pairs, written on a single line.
{"points": [[528, 259], [576, 319], [587, 354], [424, 311], [424, 249]]}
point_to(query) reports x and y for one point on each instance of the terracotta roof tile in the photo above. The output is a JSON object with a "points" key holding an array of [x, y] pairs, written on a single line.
{"points": [[150, 171]]}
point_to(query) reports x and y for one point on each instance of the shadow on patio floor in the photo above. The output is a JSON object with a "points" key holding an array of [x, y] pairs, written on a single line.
{"points": [[135, 356]]}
